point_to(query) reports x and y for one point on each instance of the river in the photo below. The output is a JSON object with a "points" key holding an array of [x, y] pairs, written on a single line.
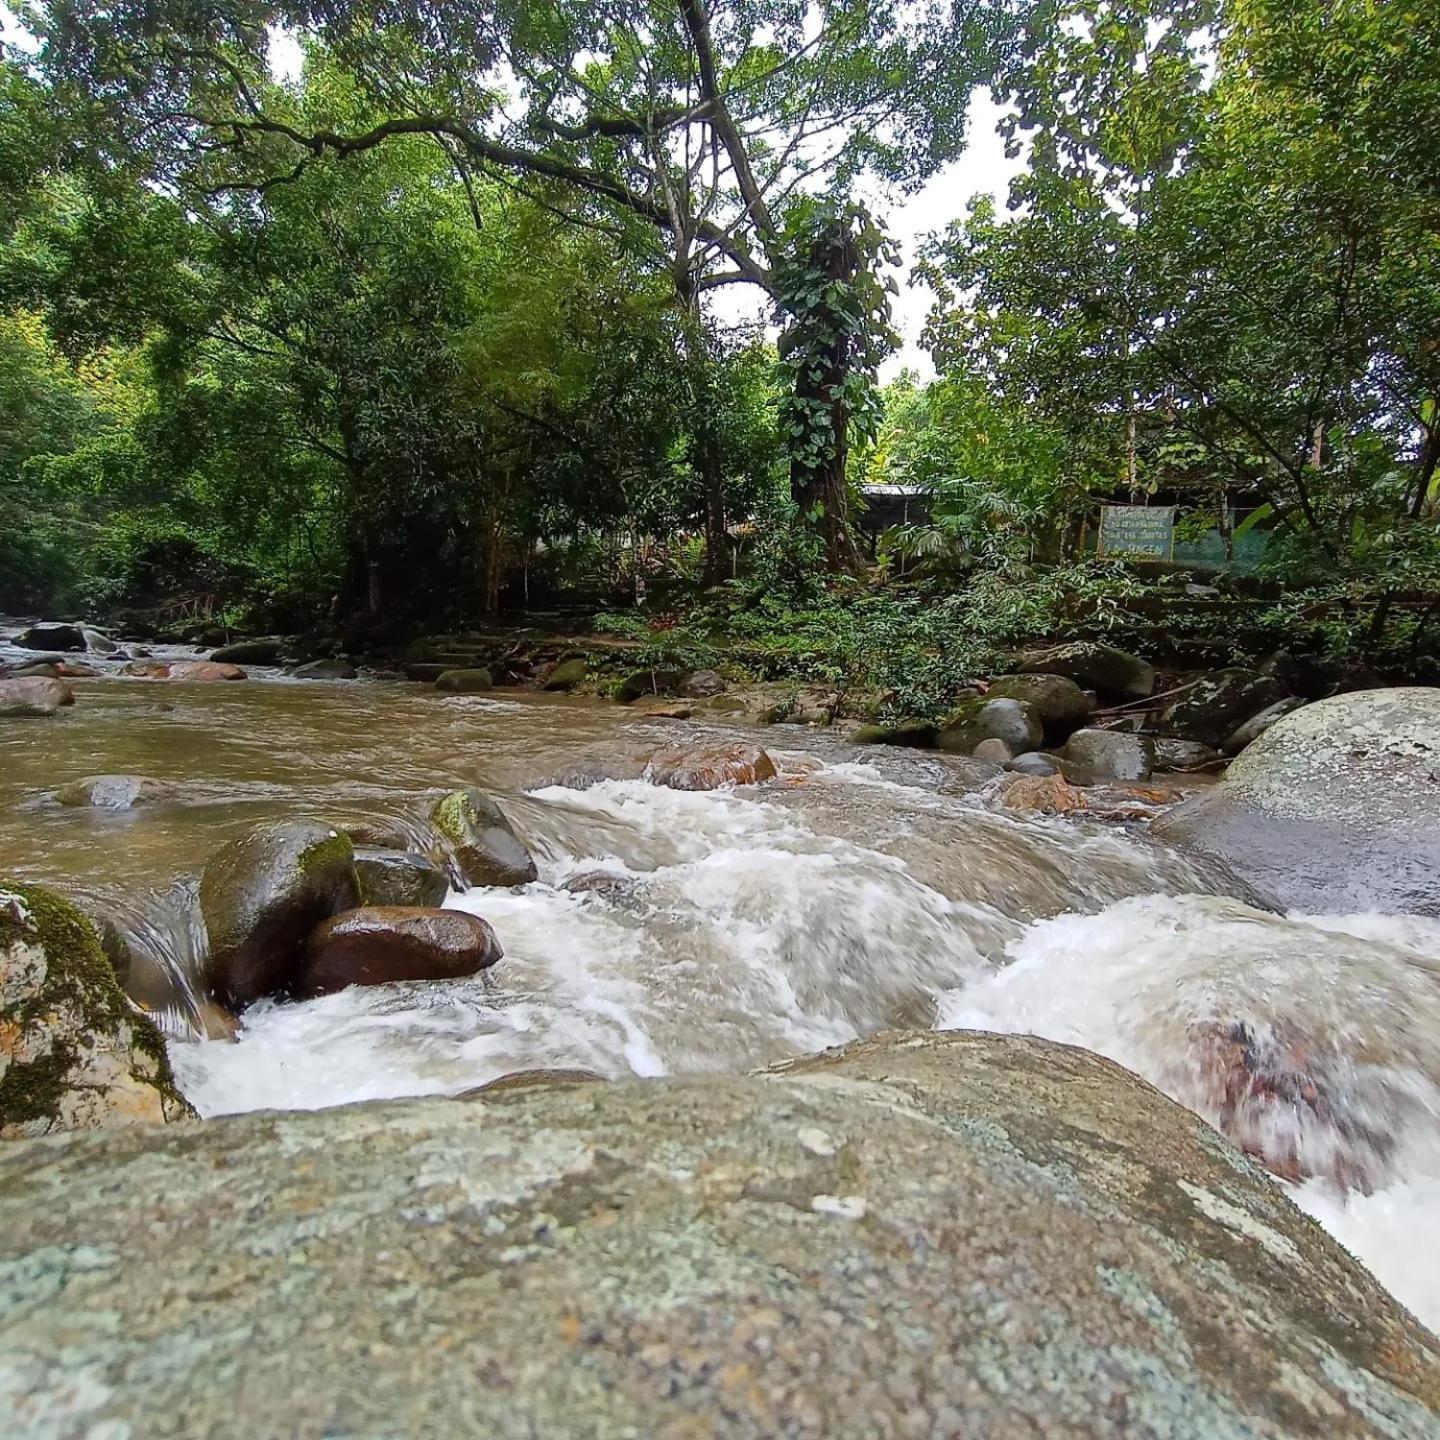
{"points": [[675, 932]]}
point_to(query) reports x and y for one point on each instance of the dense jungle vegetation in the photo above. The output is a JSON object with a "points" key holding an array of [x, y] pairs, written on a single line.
{"points": [[426, 329]]}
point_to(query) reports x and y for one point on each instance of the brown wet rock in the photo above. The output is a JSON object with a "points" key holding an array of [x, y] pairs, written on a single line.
{"points": [[486, 848], [117, 792], [36, 697], [710, 767], [383, 944], [1043, 794], [921, 1235], [530, 1080], [199, 671]]}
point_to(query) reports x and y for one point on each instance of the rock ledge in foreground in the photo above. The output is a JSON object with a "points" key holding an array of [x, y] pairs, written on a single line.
{"points": [[928, 1234]]}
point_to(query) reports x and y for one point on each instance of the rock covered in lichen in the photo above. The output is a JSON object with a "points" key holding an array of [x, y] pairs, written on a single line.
{"points": [[482, 840], [923, 1235], [74, 1053]]}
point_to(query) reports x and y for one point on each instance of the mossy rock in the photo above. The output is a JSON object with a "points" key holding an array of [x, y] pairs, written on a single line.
{"points": [[567, 675], [262, 894], [1061, 704], [74, 1053], [1016, 722], [486, 849], [912, 734], [465, 682], [655, 681], [399, 877]]}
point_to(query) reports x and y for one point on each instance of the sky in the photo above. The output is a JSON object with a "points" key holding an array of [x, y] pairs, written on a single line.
{"points": [[982, 169]]}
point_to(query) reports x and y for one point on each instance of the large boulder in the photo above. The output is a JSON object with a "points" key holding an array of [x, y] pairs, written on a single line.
{"points": [[1216, 704], [74, 1053], [249, 652], [379, 945], [1060, 703], [399, 877], [909, 734], [1017, 722], [1335, 809], [486, 848], [925, 1235], [37, 695], [661, 681], [52, 637], [1114, 673], [262, 895], [1257, 725]]}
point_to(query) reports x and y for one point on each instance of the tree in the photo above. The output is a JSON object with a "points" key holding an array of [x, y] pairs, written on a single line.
{"points": [[707, 125]]}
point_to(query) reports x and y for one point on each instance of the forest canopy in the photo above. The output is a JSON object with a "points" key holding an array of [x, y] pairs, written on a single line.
{"points": [[435, 325]]}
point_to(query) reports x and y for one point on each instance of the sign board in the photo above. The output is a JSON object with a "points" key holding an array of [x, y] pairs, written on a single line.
{"points": [[1137, 530]]}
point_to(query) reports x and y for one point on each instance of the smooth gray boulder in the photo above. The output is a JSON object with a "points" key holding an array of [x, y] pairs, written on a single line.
{"points": [[922, 1235], [332, 668], [1257, 725], [465, 682], [1334, 809], [1060, 703], [249, 652], [1110, 754], [261, 895], [567, 675]]}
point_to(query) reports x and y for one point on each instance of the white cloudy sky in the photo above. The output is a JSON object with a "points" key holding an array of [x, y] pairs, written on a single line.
{"points": [[983, 168]]}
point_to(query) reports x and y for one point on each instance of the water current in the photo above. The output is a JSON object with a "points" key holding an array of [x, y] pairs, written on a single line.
{"points": [[674, 932]]}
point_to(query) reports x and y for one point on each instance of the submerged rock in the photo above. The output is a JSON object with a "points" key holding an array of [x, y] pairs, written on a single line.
{"points": [[202, 671], [383, 944], [74, 1053], [38, 696], [924, 1234], [486, 848], [262, 895], [399, 877], [117, 792], [1114, 673], [1335, 809], [710, 767], [332, 668]]}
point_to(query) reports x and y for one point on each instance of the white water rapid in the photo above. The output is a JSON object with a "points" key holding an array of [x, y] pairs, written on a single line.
{"points": [[673, 933]]}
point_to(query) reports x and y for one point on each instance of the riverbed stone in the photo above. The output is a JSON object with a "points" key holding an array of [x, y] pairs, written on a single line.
{"points": [[262, 895], [1115, 673], [1110, 754], [1016, 722], [997, 752], [465, 682], [661, 680], [204, 672], [117, 792], [924, 1234], [50, 636], [1215, 704], [1335, 809], [1060, 703], [908, 734], [249, 652], [1036, 762], [385, 944], [567, 675], [36, 696], [74, 1053], [710, 767], [703, 685], [399, 877], [1175, 754], [486, 849]]}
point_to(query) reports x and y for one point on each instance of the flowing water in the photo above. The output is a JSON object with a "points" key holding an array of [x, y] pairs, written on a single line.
{"points": [[673, 932]]}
